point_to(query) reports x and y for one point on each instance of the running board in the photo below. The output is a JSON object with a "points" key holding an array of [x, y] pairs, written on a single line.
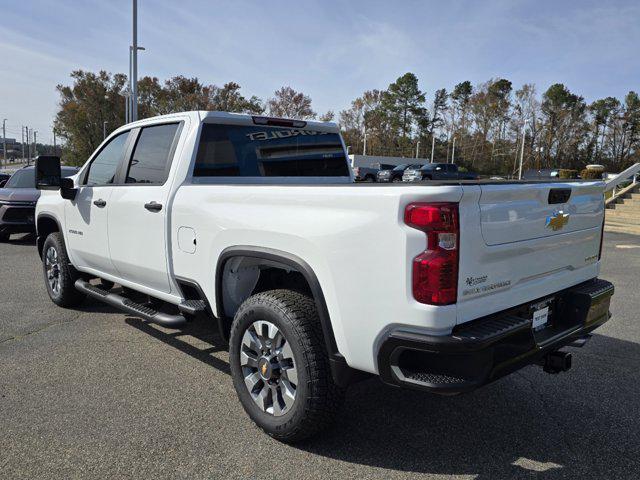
{"points": [[129, 306]]}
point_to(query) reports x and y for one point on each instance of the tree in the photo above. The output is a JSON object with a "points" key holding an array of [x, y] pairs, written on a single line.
{"points": [[84, 107], [565, 126], [288, 103], [404, 104], [601, 111], [97, 98], [229, 99], [328, 116]]}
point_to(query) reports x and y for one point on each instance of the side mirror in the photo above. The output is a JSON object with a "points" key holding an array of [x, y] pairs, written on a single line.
{"points": [[68, 189], [48, 173]]}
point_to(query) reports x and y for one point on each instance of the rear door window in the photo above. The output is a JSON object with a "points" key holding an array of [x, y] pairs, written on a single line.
{"points": [[259, 151], [152, 154]]}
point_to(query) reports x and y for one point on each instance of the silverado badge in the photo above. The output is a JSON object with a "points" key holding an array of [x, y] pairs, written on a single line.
{"points": [[557, 221]]}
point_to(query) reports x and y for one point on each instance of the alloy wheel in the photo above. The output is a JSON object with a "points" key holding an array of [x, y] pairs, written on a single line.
{"points": [[269, 368], [52, 269]]}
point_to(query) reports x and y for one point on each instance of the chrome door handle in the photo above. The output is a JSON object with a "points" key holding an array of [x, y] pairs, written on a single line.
{"points": [[153, 206], [100, 203]]}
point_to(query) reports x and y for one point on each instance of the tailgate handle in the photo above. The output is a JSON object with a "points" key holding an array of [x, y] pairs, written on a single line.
{"points": [[559, 195]]}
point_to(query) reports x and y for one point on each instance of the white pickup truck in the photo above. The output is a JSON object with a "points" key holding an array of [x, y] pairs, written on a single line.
{"points": [[314, 280]]}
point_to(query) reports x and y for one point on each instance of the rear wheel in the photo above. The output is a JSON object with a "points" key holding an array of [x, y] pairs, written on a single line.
{"points": [[280, 367], [59, 274]]}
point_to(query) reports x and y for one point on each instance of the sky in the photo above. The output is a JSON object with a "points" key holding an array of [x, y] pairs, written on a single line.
{"points": [[332, 50]]}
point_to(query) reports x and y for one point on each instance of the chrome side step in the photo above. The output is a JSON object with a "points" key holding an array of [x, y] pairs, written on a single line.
{"points": [[129, 306]]}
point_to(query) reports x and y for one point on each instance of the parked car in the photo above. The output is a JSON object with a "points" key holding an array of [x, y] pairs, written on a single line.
{"points": [[256, 224], [368, 174], [395, 174], [437, 171], [18, 199], [3, 178]]}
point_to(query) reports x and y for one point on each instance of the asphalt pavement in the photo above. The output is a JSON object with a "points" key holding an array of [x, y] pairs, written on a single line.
{"points": [[93, 393]]}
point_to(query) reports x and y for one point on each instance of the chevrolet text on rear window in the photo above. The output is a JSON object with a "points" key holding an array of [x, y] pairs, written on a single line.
{"points": [[259, 151]]}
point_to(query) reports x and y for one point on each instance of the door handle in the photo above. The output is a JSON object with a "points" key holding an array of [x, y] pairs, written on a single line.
{"points": [[100, 203], [153, 206]]}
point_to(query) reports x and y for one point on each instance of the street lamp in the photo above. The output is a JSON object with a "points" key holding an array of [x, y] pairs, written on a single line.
{"points": [[453, 151], [104, 130], [131, 96], [4, 141], [35, 143]]}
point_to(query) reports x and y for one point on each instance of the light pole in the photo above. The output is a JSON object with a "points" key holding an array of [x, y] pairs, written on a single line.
{"points": [[453, 151], [104, 130], [364, 147], [433, 146], [418, 149], [28, 138], [4, 141], [524, 127], [130, 89], [35, 143], [134, 65]]}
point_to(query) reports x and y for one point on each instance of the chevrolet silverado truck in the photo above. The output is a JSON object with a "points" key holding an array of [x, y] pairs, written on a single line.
{"points": [[256, 224]]}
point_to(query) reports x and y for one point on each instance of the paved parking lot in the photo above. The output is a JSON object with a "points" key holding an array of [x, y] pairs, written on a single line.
{"points": [[94, 393]]}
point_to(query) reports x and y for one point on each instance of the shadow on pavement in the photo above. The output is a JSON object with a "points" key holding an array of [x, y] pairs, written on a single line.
{"points": [[580, 424], [199, 328]]}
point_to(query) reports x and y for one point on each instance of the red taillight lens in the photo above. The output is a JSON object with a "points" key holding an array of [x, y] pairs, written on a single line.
{"points": [[435, 271]]}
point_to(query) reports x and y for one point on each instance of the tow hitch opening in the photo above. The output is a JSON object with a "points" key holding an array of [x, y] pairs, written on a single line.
{"points": [[556, 362]]}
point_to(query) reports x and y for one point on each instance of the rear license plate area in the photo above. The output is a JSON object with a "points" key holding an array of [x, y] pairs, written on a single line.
{"points": [[541, 314]]}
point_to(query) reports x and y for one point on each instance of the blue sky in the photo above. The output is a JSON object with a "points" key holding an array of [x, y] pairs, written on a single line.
{"points": [[332, 50]]}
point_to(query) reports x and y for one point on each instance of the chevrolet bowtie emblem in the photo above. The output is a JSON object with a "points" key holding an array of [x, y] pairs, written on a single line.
{"points": [[557, 221], [263, 369]]}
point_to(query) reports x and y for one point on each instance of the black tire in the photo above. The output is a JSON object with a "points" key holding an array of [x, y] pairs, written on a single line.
{"points": [[397, 179], [4, 237], [62, 293], [317, 397]]}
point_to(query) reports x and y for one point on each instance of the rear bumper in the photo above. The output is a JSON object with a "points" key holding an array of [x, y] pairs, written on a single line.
{"points": [[481, 351]]}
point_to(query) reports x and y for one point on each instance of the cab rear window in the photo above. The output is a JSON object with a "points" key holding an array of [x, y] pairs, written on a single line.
{"points": [[262, 151]]}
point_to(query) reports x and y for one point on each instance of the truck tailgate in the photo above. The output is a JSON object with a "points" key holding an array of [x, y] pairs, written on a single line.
{"points": [[513, 213], [527, 241]]}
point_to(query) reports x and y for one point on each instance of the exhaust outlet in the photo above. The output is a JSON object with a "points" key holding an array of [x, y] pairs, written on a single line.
{"points": [[557, 362]]}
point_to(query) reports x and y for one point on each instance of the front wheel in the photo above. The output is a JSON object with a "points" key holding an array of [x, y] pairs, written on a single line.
{"points": [[280, 366], [59, 274]]}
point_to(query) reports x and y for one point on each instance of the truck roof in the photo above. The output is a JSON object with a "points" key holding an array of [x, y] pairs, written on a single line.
{"points": [[213, 116]]}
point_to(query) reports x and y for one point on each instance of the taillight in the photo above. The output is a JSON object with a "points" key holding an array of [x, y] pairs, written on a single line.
{"points": [[435, 271]]}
